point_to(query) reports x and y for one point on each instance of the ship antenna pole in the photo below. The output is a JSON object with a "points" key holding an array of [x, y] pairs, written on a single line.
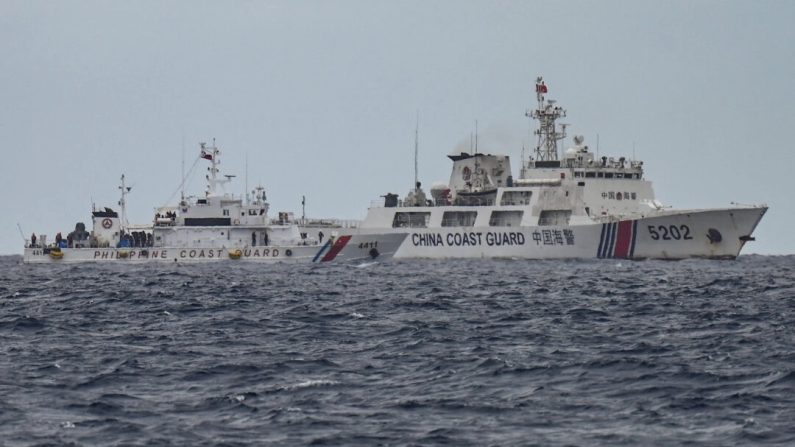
{"points": [[21, 233], [247, 200], [476, 136], [182, 185], [597, 146], [416, 149]]}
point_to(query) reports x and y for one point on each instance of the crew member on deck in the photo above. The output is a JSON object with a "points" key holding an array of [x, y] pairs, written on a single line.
{"points": [[33, 240], [320, 237]]}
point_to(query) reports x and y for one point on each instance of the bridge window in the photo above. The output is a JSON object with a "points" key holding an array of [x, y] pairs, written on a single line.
{"points": [[411, 220], [515, 198], [459, 218], [554, 217], [505, 218]]}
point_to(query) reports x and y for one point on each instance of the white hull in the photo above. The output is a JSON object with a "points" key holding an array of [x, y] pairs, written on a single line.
{"points": [[667, 235], [344, 248]]}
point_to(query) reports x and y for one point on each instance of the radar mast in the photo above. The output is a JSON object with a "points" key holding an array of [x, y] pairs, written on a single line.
{"points": [[546, 114], [212, 154], [123, 202]]}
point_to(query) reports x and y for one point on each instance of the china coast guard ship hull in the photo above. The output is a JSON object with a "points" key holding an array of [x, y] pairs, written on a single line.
{"points": [[211, 228], [577, 206]]}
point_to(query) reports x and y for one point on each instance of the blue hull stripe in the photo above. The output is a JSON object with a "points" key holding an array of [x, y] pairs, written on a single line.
{"points": [[322, 249], [634, 233], [601, 242]]}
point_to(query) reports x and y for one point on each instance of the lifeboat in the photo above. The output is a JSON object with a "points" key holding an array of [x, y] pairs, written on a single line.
{"points": [[236, 254]]}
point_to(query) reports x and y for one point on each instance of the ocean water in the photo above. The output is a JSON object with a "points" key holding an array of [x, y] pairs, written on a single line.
{"points": [[480, 352]]}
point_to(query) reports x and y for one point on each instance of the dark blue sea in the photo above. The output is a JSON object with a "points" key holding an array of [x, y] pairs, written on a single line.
{"points": [[462, 353]]}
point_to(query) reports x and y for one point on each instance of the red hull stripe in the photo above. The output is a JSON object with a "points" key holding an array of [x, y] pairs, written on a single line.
{"points": [[624, 239], [336, 249]]}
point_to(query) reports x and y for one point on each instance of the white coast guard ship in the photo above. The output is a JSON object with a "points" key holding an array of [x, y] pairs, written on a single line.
{"points": [[217, 226], [579, 206]]}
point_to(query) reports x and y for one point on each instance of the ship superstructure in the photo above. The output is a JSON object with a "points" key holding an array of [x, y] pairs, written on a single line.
{"points": [[216, 225], [612, 185]]}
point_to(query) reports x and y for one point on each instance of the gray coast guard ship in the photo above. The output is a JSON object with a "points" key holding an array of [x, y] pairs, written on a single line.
{"points": [[214, 227], [574, 206]]}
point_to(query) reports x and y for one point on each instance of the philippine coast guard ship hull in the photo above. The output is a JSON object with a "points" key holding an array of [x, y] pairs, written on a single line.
{"points": [[359, 247], [579, 206], [214, 227]]}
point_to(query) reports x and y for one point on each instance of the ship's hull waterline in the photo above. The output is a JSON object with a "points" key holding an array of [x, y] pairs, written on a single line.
{"points": [[711, 234]]}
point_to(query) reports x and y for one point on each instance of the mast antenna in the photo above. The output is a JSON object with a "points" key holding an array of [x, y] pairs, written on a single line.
{"points": [[246, 188], [416, 148], [182, 185], [597, 145], [22, 233], [476, 136]]}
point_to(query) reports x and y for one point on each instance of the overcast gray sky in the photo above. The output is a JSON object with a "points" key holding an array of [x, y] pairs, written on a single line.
{"points": [[321, 96]]}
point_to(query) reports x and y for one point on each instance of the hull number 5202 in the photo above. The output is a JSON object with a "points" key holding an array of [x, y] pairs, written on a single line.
{"points": [[670, 232]]}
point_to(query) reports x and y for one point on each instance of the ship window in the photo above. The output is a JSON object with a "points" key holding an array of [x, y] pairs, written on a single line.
{"points": [[601, 175], [515, 198], [590, 174], [554, 217], [411, 220], [459, 218], [226, 212], [505, 218], [577, 174], [608, 175]]}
